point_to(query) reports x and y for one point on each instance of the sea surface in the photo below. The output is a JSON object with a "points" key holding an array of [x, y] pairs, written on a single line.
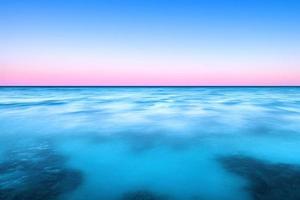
{"points": [[149, 143]]}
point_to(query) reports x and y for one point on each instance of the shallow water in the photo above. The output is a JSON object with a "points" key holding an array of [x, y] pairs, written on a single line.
{"points": [[181, 143]]}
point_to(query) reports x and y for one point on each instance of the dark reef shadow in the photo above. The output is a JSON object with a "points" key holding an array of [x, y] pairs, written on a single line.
{"points": [[143, 195], [266, 181], [36, 172]]}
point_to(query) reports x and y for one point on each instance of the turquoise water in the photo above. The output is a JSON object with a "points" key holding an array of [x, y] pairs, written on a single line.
{"points": [[147, 143]]}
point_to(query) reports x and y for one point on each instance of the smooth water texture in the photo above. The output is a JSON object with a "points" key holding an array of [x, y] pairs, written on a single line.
{"points": [[147, 143]]}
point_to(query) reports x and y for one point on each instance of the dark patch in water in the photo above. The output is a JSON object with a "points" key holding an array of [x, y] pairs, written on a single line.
{"points": [[141, 142], [31, 104], [232, 102], [143, 195], [267, 181], [36, 173]]}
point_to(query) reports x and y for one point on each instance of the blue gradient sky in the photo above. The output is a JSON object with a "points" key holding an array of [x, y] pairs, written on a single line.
{"points": [[150, 42]]}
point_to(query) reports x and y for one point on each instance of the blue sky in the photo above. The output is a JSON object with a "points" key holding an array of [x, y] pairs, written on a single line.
{"points": [[150, 42]]}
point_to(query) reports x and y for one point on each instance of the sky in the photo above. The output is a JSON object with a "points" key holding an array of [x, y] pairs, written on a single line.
{"points": [[149, 42]]}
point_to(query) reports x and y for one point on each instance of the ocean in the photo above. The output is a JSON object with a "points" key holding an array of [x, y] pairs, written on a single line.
{"points": [[150, 143]]}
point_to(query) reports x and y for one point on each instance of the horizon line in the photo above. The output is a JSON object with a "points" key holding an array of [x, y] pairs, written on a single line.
{"points": [[149, 85]]}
